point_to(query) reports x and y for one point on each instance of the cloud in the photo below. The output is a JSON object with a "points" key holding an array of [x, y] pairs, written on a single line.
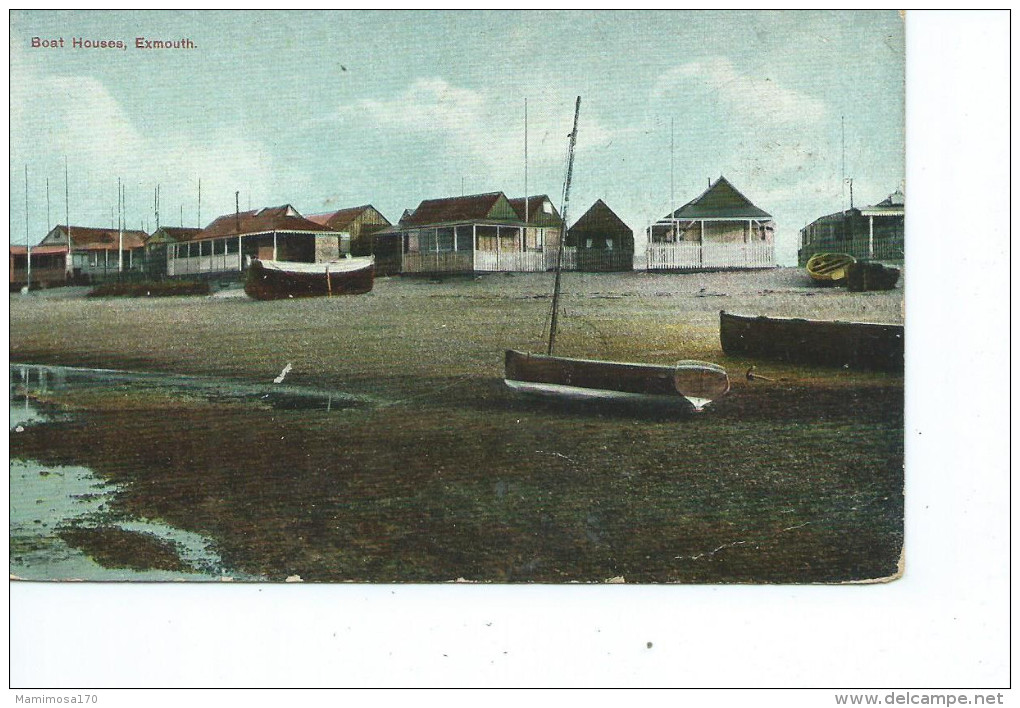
{"points": [[54, 117], [745, 99], [479, 131]]}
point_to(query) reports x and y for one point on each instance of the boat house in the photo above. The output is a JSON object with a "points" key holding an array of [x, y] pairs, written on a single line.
{"points": [[719, 230], [95, 254], [600, 241], [356, 225], [871, 233], [272, 233], [159, 243], [49, 266], [477, 233]]}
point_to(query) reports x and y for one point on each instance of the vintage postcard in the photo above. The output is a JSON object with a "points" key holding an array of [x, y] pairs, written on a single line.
{"points": [[437, 296]]}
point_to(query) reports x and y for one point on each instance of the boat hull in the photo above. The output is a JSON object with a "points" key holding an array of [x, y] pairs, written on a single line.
{"points": [[854, 345], [690, 385], [862, 277], [829, 268], [279, 283]]}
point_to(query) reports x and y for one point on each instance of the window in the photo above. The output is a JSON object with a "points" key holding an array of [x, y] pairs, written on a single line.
{"points": [[206, 247], [547, 207], [231, 245]]}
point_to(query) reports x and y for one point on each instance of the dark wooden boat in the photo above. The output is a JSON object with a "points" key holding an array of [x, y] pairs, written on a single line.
{"points": [[862, 277], [829, 268], [279, 280], [855, 345], [690, 385]]}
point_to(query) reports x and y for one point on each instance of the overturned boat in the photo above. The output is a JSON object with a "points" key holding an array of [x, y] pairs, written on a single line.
{"points": [[279, 280], [829, 268], [866, 276], [690, 385], [852, 345]]}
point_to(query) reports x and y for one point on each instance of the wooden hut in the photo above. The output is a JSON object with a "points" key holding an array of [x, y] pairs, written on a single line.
{"points": [[49, 266], [358, 223], [718, 230], [157, 247], [480, 232], [271, 233], [601, 240], [871, 233], [98, 254]]}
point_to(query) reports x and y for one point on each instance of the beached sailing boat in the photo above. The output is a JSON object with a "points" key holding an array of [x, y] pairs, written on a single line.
{"points": [[690, 385]]}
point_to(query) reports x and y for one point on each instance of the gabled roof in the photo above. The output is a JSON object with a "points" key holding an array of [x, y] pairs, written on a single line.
{"points": [[536, 213], [89, 238], [894, 204], [342, 218], [476, 207], [280, 218], [176, 234], [720, 201], [602, 219]]}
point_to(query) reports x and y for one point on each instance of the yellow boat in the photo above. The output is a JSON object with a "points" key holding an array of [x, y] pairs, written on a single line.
{"points": [[829, 268]]}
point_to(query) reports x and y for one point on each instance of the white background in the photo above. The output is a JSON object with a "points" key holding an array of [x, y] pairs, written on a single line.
{"points": [[944, 624]]}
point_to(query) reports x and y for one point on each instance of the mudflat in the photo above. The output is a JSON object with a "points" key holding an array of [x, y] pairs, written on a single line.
{"points": [[446, 474]]}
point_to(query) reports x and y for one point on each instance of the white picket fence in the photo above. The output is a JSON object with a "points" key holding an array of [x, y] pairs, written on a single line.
{"points": [[691, 255]]}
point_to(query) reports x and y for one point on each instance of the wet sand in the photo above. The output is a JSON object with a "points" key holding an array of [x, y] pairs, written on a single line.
{"points": [[448, 475]]}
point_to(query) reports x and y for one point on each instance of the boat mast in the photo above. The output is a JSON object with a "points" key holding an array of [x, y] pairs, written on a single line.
{"points": [[563, 233]]}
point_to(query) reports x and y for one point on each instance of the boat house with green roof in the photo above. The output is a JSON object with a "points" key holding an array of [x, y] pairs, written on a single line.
{"points": [[719, 230]]}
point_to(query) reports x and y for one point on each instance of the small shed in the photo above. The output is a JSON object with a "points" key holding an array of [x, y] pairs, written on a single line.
{"points": [[359, 223], [602, 240]]}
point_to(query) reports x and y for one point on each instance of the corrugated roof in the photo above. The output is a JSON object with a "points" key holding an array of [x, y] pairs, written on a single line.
{"points": [[89, 238], [176, 233], [474, 207], [38, 250], [720, 201], [340, 219], [280, 218]]}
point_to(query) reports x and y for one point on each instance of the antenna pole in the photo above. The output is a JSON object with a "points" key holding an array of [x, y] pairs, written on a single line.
{"points": [[28, 244], [842, 176], [120, 242], [672, 187], [563, 234], [199, 224], [67, 219], [526, 162], [48, 226]]}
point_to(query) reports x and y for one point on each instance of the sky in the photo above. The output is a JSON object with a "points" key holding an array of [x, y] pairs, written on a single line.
{"points": [[325, 110]]}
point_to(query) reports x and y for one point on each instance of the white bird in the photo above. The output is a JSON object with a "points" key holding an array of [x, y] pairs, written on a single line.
{"points": [[283, 374]]}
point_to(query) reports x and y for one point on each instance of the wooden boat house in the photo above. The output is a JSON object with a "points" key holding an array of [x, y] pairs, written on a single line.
{"points": [[356, 224], [477, 233], [159, 243], [871, 233], [95, 254], [600, 241], [49, 266], [272, 233], [719, 230]]}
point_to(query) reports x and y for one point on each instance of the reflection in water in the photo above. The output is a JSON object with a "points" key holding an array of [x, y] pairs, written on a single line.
{"points": [[51, 502]]}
